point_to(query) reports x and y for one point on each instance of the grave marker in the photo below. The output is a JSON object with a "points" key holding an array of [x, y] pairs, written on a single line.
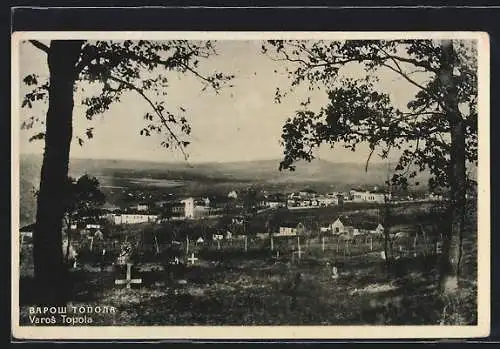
{"points": [[335, 273], [157, 247], [439, 247], [323, 243], [277, 256], [298, 253], [192, 259], [128, 281]]}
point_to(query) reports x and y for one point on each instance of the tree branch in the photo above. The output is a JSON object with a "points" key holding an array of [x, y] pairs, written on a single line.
{"points": [[39, 45], [369, 157], [157, 111]]}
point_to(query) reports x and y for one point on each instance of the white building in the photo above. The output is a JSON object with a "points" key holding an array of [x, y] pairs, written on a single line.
{"points": [[232, 195], [345, 226], [140, 207], [274, 204], [189, 205], [288, 231], [133, 218], [369, 196]]}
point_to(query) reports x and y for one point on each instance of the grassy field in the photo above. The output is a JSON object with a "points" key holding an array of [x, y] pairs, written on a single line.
{"points": [[229, 287]]}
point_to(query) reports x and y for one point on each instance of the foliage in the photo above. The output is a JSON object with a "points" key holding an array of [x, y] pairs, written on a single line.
{"points": [[357, 112], [83, 197], [251, 197]]}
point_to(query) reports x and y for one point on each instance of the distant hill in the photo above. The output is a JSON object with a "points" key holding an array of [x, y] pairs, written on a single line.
{"points": [[318, 174], [254, 171]]}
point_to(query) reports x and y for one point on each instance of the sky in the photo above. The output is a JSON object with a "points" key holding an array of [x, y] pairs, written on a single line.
{"points": [[242, 123]]}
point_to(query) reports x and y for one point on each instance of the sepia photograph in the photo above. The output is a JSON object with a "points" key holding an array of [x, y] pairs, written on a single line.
{"points": [[250, 185]]}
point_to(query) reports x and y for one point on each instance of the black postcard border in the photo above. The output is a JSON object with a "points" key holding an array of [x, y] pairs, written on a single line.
{"points": [[318, 16]]}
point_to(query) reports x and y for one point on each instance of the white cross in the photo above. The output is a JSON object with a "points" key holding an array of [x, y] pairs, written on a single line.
{"points": [[128, 281], [192, 259], [299, 253]]}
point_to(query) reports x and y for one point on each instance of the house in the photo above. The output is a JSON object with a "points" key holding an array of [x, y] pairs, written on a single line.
{"points": [[324, 229], [344, 226], [274, 204], [217, 237], [305, 203], [174, 209], [140, 207], [292, 229], [371, 228], [189, 205], [375, 196], [133, 218], [232, 195], [326, 201], [287, 229], [435, 197], [291, 203], [194, 209]]}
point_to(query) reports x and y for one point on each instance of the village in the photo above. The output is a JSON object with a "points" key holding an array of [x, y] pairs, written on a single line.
{"points": [[202, 208], [212, 222]]}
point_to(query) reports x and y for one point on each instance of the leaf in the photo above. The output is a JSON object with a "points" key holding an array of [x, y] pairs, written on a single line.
{"points": [[31, 79], [26, 102], [90, 133], [38, 136]]}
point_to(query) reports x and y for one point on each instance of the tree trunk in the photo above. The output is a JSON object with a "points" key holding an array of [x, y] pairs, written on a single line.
{"points": [[452, 244], [50, 271]]}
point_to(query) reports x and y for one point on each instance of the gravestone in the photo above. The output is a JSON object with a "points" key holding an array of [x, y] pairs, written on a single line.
{"points": [[335, 273], [439, 247]]}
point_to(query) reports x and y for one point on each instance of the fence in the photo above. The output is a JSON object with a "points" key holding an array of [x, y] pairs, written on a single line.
{"points": [[293, 247]]}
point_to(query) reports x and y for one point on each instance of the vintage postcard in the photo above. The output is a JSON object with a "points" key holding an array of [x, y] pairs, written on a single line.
{"points": [[250, 185]]}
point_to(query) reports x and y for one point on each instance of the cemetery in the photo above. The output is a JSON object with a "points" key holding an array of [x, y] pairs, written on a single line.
{"points": [[242, 280]]}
